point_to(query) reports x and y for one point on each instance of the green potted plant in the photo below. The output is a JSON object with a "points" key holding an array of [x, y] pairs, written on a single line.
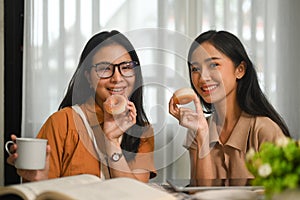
{"points": [[276, 166]]}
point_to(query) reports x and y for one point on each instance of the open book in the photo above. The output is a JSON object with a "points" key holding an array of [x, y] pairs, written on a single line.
{"points": [[84, 187]]}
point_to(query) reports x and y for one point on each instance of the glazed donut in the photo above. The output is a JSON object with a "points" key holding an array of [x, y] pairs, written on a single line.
{"points": [[115, 104], [183, 96]]}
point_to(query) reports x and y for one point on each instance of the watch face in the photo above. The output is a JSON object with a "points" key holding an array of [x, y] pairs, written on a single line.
{"points": [[116, 156]]}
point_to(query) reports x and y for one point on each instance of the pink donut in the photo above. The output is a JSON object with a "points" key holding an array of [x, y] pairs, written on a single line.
{"points": [[183, 96], [115, 104]]}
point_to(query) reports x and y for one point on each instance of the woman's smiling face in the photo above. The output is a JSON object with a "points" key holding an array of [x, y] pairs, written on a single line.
{"points": [[213, 73], [117, 84]]}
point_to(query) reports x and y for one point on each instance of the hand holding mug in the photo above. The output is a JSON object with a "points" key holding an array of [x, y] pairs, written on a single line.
{"points": [[30, 156]]}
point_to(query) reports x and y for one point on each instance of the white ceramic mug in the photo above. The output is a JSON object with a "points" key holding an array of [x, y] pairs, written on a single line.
{"points": [[31, 153]]}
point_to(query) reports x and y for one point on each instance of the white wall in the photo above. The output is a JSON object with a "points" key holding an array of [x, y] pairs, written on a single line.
{"points": [[1, 91]]}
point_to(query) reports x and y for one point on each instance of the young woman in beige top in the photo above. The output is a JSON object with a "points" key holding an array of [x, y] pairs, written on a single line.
{"points": [[240, 116]]}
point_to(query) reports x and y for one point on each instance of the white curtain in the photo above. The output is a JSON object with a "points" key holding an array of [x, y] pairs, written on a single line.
{"points": [[161, 31]]}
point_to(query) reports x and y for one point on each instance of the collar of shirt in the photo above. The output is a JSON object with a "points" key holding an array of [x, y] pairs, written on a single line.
{"points": [[239, 136]]}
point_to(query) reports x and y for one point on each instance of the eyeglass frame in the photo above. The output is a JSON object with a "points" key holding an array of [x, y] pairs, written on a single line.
{"points": [[136, 64]]}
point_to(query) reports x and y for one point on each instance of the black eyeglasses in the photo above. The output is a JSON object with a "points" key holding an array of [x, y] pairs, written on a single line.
{"points": [[107, 70]]}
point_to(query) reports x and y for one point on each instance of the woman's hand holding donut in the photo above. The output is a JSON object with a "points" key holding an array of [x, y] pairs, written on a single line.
{"points": [[115, 125], [194, 120], [115, 104], [187, 117], [180, 96], [28, 175], [126, 119]]}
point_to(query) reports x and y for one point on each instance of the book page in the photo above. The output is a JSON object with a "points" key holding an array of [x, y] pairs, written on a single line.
{"points": [[117, 188], [29, 191]]}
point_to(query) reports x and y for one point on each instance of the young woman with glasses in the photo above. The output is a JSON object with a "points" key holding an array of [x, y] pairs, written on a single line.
{"points": [[239, 115], [83, 138]]}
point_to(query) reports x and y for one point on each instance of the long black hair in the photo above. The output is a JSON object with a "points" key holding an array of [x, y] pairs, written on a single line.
{"points": [[79, 90], [250, 97]]}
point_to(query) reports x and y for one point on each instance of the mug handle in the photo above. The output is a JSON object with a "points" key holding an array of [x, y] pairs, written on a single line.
{"points": [[6, 147]]}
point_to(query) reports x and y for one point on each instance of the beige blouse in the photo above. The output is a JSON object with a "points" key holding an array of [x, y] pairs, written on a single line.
{"points": [[227, 161]]}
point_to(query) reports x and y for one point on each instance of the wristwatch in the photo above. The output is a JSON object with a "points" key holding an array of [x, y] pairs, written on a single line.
{"points": [[116, 157]]}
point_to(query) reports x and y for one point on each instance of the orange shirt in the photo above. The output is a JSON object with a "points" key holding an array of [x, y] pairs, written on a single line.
{"points": [[72, 151]]}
